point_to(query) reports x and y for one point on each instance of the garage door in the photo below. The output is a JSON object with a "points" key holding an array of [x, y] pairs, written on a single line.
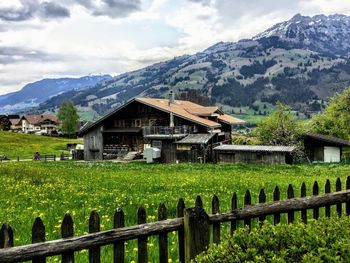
{"points": [[331, 154]]}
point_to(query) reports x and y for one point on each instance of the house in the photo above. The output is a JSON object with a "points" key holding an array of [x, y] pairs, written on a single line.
{"points": [[39, 123], [177, 127], [15, 124], [324, 148], [254, 154]]}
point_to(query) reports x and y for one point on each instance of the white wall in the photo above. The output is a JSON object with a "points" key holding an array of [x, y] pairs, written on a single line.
{"points": [[331, 154]]}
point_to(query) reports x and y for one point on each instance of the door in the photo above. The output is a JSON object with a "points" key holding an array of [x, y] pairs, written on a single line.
{"points": [[331, 154]]}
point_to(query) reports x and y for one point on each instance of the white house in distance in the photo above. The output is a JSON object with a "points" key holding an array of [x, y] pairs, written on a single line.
{"points": [[39, 123]]}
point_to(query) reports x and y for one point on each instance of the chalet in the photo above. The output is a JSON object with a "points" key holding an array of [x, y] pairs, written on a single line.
{"points": [[324, 148], [39, 123], [182, 130], [254, 154], [15, 124]]}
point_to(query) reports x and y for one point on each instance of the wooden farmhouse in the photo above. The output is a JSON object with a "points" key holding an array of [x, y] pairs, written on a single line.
{"points": [[182, 130], [323, 148], [254, 154]]}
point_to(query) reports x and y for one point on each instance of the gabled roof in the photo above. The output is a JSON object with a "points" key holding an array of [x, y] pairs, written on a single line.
{"points": [[230, 119], [254, 148], [327, 138], [179, 108], [37, 119], [15, 121]]}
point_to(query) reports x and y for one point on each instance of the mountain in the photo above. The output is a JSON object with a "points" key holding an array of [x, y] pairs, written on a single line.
{"points": [[300, 62], [33, 94]]}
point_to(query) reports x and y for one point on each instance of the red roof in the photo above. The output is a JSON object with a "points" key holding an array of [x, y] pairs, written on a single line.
{"points": [[37, 119]]}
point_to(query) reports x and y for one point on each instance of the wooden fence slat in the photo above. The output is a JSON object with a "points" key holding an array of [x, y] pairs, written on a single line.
{"points": [[94, 226], [315, 191], [233, 207], [181, 236], [142, 241], [327, 190], [338, 188], [262, 199], [67, 230], [215, 206], [199, 202], [303, 212], [247, 201], [119, 247], [347, 205], [6, 236], [38, 235], [197, 233], [276, 197], [163, 238], [290, 195]]}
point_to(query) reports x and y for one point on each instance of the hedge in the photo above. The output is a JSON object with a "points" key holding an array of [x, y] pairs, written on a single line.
{"points": [[324, 240]]}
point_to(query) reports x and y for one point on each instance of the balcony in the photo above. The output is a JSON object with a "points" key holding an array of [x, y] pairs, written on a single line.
{"points": [[166, 132]]}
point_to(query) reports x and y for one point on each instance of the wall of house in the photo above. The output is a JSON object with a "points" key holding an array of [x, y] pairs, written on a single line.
{"points": [[93, 145], [251, 157]]}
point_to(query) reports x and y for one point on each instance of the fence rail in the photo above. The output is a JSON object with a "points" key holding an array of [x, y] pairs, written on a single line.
{"points": [[192, 224]]}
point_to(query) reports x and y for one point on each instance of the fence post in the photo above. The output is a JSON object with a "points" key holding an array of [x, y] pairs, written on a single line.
{"points": [[233, 207], [347, 205], [163, 238], [119, 247], [262, 199], [38, 235], [181, 235], [67, 230], [276, 197], [6, 236], [290, 195], [337, 189], [315, 191], [303, 211], [94, 226], [247, 201], [199, 202], [215, 205], [327, 190], [142, 241], [197, 234]]}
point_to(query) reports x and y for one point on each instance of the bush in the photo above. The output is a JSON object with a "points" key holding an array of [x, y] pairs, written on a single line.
{"points": [[325, 240]]}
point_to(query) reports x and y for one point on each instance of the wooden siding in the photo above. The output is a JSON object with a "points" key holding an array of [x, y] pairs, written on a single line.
{"points": [[251, 157], [93, 145]]}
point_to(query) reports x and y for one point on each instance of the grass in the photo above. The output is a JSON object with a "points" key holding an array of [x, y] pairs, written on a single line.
{"points": [[24, 145], [49, 190]]}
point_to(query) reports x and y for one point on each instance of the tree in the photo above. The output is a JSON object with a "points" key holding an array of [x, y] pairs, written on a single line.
{"points": [[68, 117], [279, 128], [4, 124], [335, 119]]}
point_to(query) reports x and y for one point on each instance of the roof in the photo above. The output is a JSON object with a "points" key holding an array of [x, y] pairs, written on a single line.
{"points": [[180, 108], [254, 148], [199, 138], [37, 119], [15, 121], [327, 138], [230, 119]]}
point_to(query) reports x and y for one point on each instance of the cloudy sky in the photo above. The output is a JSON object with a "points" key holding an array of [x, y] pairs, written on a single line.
{"points": [[56, 38]]}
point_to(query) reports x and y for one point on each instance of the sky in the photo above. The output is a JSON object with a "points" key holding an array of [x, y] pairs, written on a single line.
{"points": [[71, 38]]}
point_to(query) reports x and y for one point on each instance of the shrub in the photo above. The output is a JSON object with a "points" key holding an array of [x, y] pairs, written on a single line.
{"points": [[325, 240]]}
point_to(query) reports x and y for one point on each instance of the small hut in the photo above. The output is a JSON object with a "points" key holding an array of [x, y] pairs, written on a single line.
{"points": [[254, 154], [323, 148]]}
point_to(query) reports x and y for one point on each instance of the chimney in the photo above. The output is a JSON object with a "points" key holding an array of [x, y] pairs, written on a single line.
{"points": [[171, 98]]}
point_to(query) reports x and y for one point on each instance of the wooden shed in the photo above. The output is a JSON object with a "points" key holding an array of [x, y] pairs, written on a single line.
{"points": [[254, 154], [324, 148]]}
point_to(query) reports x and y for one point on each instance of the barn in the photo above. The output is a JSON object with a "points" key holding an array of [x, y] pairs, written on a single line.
{"points": [[182, 130], [321, 148], [254, 154]]}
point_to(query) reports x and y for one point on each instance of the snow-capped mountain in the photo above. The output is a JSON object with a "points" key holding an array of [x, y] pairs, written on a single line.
{"points": [[329, 34]]}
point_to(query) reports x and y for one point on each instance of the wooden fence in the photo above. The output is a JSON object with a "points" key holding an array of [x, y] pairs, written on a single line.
{"points": [[193, 226]]}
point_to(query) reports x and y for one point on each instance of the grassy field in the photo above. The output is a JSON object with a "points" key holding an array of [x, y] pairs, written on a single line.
{"points": [[24, 145], [48, 190]]}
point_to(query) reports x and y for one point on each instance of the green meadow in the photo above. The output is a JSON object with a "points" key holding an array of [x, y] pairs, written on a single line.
{"points": [[51, 189], [24, 145]]}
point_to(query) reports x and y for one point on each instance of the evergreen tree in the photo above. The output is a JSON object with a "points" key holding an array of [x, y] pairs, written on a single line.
{"points": [[69, 118]]}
